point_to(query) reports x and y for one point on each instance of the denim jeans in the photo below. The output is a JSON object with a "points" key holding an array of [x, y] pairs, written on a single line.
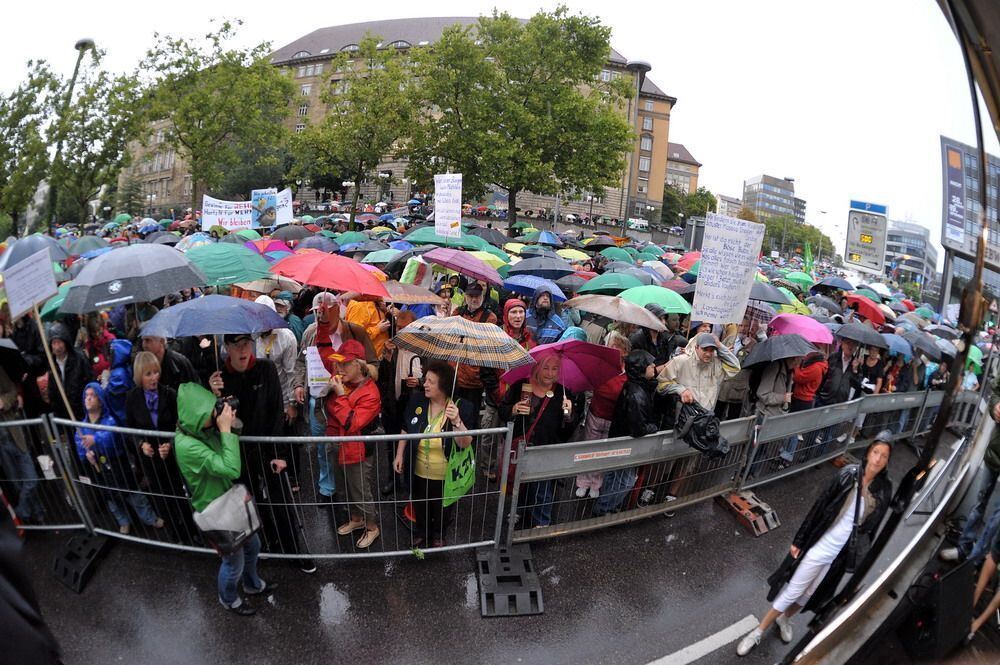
{"points": [[139, 503], [20, 470], [614, 488], [969, 545], [326, 482], [538, 497], [241, 564]]}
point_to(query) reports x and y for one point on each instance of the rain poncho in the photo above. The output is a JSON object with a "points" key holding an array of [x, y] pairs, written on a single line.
{"points": [[209, 460]]}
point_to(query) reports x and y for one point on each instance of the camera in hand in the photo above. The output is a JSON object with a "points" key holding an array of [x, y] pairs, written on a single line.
{"points": [[221, 403]]}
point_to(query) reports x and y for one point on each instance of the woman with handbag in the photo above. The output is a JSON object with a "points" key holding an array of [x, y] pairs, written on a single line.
{"points": [[835, 535], [208, 454], [430, 412]]}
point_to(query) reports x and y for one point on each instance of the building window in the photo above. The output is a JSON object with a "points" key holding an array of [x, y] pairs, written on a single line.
{"points": [[648, 105], [299, 128], [303, 110], [644, 164], [301, 54], [647, 124], [643, 186], [646, 143], [301, 71], [306, 89], [605, 75]]}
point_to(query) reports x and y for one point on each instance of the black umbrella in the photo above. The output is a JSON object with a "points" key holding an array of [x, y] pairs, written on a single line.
{"points": [[492, 236], [640, 274], [778, 347], [25, 247], [833, 284], [821, 318], [394, 268], [599, 243], [617, 266], [291, 233], [829, 304], [921, 342], [767, 293], [229, 237], [571, 283], [87, 244], [132, 274], [11, 360], [156, 235], [538, 250], [369, 246], [542, 266], [863, 334], [944, 332]]}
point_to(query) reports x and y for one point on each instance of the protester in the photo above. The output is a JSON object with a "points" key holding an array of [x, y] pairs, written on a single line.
{"points": [[208, 455], [734, 392], [73, 369], [697, 374], [370, 316], [351, 409], [175, 369], [836, 533], [16, 459], [471, 380], [94, 340], [597, 424], [283, 306], [542, 319], [514, 313], [119, 379], [430, 412], [774, 389], [399, 374], [280, 347]]}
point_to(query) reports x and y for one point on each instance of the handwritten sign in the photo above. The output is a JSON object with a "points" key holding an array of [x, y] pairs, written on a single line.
{"points": [[729, 253], [265, 207], [230, 215], [316, 375], [602, 454], [29, 282], [448, 205], [283, 207]]}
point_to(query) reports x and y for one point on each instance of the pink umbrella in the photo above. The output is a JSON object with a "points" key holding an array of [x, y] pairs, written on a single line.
{"points": [[265, 245], [585, 366], [463, 262], [798, 324]]}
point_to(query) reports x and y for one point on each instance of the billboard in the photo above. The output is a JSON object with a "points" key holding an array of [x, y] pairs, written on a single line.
{"points": [[961, 180], [867, 228]]}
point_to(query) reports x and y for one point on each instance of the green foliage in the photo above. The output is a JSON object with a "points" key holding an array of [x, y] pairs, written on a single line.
{"points": [[25, 115], [217, 101], [673, 206], [747, 214], [912, 290], [369, 112], [700, 202], [6, 226], [130, 197], [796, 235], [520, 106], [258, 166]]}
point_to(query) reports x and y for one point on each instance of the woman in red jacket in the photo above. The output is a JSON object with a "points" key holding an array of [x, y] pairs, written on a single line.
{"points": [[806, 381], [352, 408]]}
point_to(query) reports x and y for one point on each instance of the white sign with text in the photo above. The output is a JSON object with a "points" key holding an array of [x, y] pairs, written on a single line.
{"points": [[729, 254], [30, 282], [448, 205], [230, 215]]}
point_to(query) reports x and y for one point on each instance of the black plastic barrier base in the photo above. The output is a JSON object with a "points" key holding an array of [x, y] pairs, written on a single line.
{"points": [[75, 565], [508, 583]]}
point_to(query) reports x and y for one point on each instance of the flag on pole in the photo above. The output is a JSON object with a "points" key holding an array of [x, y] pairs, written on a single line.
{"points": [[808, 258]]}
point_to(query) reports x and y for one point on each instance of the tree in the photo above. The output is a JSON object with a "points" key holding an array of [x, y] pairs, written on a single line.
{"points": [[747, 214], [795, 236], [521, 106], [25, 115], [217, 100], [699, 203], [673, 207], [368, 114], [912, 290], [130, 199], [97, 128], [257, 166]]}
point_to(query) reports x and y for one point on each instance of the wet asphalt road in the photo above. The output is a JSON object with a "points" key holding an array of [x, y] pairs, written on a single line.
{"points": [[624, 595]]}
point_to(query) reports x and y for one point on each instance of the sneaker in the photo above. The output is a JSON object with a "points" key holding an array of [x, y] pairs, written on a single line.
{"points": [[268, 587], [748, 643], [307, 566], [581, 492], [594, 492], [784, 628], [240, 608], [949, 554], [350, 527], [125, 529], [667, 499]]}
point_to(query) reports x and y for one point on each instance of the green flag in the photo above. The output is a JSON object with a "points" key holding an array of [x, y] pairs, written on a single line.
{"points": [[808, 257]]}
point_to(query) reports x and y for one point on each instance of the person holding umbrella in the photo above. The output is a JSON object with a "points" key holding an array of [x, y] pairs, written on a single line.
{"points": [[472, 380]]}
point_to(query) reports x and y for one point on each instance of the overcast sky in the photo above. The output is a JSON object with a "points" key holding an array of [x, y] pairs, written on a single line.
{"points": [[848, 98]]}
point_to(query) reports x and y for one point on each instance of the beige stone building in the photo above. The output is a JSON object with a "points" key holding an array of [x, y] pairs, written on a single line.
{"points": [[682, 168], [165, 181]]}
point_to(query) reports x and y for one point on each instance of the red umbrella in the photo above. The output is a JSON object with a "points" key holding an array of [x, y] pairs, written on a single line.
{"points": [[312, 227], [464, 263], [688, 260], [867, 308], [909, 304], [585, 274], [329, 271]]}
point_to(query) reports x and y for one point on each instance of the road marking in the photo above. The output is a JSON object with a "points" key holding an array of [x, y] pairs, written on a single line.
{"points": [[693, 652]]}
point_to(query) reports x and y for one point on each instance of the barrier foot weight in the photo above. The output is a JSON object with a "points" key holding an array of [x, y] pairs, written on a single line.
{"points": [[750, 511], [76, 563], [508, 583]]}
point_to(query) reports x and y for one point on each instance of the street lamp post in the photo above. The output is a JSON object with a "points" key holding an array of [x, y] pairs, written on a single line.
{"points": [[639, 70], [82, 46]]}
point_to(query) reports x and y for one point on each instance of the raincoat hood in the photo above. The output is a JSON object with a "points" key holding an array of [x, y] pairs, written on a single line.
{"points": [[100, 395], [636, 363], [121, 352], [574, 332], [544, 288], [61, 332], [513, 303], [194, 403]]}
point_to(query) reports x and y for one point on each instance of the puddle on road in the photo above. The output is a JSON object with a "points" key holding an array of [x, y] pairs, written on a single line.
{"points": [[333, 605]]}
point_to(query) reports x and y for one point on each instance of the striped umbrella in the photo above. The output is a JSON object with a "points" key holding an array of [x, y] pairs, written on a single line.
{"points": [[459, 340]]}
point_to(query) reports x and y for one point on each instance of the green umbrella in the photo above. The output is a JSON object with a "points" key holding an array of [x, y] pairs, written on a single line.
{"points": [[427, 236], [497, 252], [381, 256], [165, 223], [631, 251], [654, 249], [616, 254], [50, 309], [975, 356], [670, 301], [794, 305], [228, 263], [923, 312], [520, 225], [802, 279], [308, 218], [350, 237], [329, 234], [610, 284], [868, 293], [248, 234], [123, 218], [504, 270], [219, 230], [647, 256]]}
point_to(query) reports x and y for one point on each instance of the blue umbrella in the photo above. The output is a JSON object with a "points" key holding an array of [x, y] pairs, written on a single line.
{"points": [[388, 217], [96, 252], [898, 346], [322, 243], [414, 202], [401, 245], [150, 228], [834, 283], [527, 285], [213, 315], [542, 266]]}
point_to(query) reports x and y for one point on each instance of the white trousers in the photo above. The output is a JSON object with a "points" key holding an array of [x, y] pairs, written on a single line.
{"points": [[804, 582]]}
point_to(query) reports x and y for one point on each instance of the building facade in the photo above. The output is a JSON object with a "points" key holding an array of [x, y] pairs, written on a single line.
{"points": [[909, 254], [728, 206], [682, 169], [163, 180], [769, 197]]}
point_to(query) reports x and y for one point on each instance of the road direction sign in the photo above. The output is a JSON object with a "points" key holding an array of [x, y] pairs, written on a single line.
{"points": [[867, 227]]}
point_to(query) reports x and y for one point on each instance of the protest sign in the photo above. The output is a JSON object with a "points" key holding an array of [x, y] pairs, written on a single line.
{"points": [[317, 377], [29, 282], [265, 207], [729, 253], [230, 215], [448, 205], [283, 207]]}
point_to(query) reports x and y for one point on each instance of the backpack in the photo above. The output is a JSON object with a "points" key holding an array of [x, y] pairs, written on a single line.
{"points": [[699, 428]]}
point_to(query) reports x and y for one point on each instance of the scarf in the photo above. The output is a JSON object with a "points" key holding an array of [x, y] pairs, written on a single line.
{"points": [[153, 405], [229, 364]]}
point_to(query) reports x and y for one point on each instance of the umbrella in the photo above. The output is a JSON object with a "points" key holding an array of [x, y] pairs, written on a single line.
{"points": [[584, 366], [759, 312], [152, 228], [460, 340], [427, 236], [213, 315], [411, 294], [192, 241], [616, 254], [414, 202], [543, 238], [270, 283], [492, 236], [234, 238], [291, 233], [669, 300], [835, 283], [679, 286], [767, 293], [688, 260], [975, 356], [50, 309], [322, 243], [572, 254], [797, 324], [12, 360], [495, 259], [862, 333], [132, 274], [898, 346], [571, 283], [225, 263], [610, 284], [329, 271], [122, 218], [598, 243], [87, 244], [943, 332], [366, 246], [866, 308], [822, 302], [22, 248], [381, 256], [616, 309], [947, 348], [868, 293], [464, 263], [543, 266], [923, 343], [778, 347], [538, 250], [898, 307], [915, 319], [645, 278], [804, 280], [886, 312], [267, 245], [528, 284], [660, 268], [881, 289]]}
